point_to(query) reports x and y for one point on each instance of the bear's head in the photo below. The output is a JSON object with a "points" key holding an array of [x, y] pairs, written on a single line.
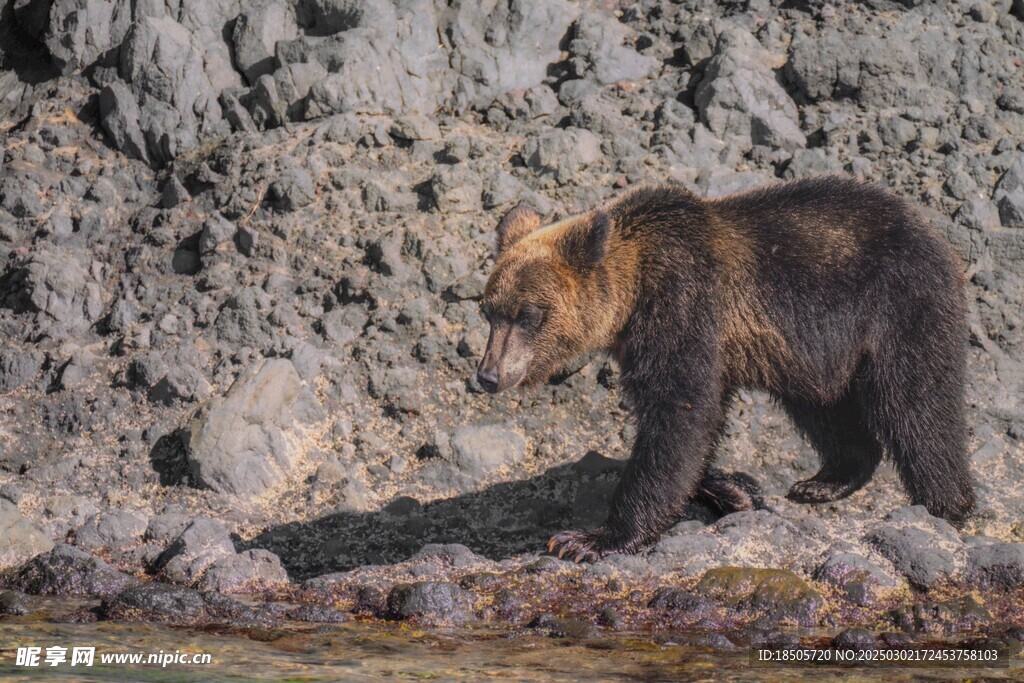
{"points": [[543, 300]]}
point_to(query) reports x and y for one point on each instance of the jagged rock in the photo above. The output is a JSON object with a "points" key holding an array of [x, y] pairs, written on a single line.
{"points": [[739, 97], [599, 50], [257, 31], [194, 550], [82, 31], [120, 116]]}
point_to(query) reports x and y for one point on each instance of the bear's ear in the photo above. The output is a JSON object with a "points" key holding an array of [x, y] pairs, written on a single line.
{"points": [[586, 243], [517, 224]]}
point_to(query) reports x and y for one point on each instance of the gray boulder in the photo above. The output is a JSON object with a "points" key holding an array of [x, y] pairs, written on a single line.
{"points": [[914, 553], [18, 367], [165, 64], [562, 153], [22, 540], [740, 97], [195, 549], [54, 284], [382, 57], [111, 530], [247, 571], [600, 53], [479, 451], [499, 47], [246, 441], [995, 563]]}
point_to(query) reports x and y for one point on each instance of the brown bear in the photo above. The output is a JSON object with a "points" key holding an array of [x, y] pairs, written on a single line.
{"points": [[831, 294]]}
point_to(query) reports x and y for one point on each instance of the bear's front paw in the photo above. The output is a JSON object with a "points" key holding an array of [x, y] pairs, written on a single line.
{"points": [[586, 546]]}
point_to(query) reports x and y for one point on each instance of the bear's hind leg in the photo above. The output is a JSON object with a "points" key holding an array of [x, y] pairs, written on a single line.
{"points": [[916, 403], [849, 452]]}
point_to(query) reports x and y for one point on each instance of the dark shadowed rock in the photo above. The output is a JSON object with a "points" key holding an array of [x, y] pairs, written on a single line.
{"points": [[431, 601], [856, 639], [176, 605], [995, 563], [14, 603], [18, 367], [684, 605], [66, 570]]}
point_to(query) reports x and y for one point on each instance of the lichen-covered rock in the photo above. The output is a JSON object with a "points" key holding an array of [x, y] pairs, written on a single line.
{"points": [[857, 578], [769, 595]]}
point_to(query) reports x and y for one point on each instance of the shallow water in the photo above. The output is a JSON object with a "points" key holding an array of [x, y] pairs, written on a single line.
{"points": [[370, 651]]}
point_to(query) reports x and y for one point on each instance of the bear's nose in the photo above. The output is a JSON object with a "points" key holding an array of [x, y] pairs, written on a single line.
{"points": [[488, 379]]}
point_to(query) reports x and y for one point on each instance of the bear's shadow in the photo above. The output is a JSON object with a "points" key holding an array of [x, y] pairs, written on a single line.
{"points": [[498, 522]]}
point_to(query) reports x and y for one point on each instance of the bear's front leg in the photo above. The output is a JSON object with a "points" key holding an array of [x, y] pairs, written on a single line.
{"points": [[676, 431]]}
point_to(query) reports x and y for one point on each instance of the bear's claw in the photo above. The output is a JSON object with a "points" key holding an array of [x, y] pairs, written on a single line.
{"points": [[582, 546]]}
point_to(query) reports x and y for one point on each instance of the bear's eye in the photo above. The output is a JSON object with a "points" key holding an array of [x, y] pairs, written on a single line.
{"points": [[530, 316]]}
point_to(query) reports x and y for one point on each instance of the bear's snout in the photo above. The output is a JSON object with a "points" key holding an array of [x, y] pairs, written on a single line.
{"points": [[488, 380]]}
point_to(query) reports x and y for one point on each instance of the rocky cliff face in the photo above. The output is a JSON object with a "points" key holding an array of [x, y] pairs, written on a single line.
{"points": [[242, 245]]}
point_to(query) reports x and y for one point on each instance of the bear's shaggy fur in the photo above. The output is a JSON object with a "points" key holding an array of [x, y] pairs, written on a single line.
{"points": [[831, 294]]}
